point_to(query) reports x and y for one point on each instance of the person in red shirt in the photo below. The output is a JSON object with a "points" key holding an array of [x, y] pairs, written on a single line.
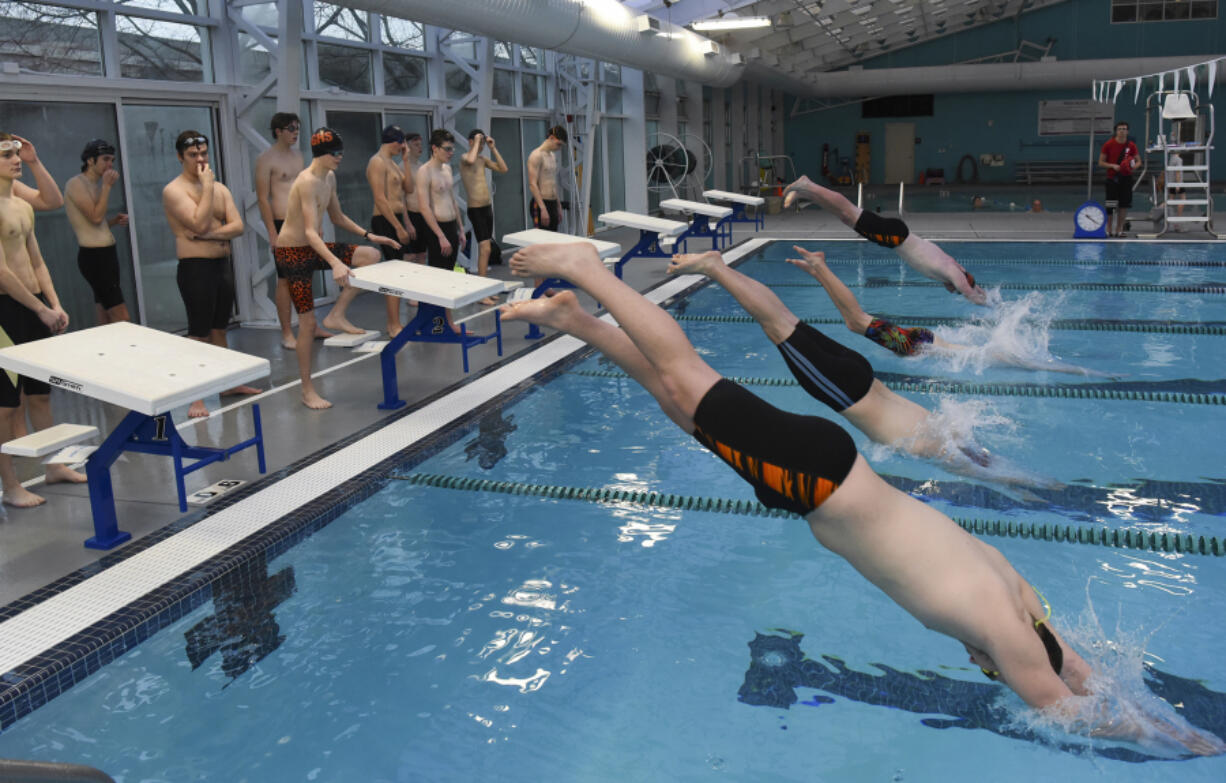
{"points": [[1118, 156]]}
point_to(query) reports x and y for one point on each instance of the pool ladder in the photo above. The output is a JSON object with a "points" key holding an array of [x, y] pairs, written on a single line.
{"points": [[14, 771]]}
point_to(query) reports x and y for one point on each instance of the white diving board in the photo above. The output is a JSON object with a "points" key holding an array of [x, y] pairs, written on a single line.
{"points": [[539, 236], [436, 291], [657, 236], [702, 214], [739, 202], [148, 372]]}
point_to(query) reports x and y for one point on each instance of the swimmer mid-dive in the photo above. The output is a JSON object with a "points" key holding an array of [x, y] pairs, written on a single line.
{"points": [[843, 379], [920, 254], [946, 578], [902, 340]]}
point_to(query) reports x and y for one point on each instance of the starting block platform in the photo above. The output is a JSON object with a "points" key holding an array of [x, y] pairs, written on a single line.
{"points": [[150, 373], [539, 236], [739, 202], [436, 291], [701, 213], [658, 237]]}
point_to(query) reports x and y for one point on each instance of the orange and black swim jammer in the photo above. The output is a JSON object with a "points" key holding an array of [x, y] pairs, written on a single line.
{"points": [[793, 462]]}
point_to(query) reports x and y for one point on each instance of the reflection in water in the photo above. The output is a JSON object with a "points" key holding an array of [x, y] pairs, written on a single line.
{"points": [[490, 445], [778, 666], [242, 626]]}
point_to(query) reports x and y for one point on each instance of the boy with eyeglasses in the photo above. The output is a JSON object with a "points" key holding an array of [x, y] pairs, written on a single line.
{"points": [[436, 199], [204, 218]]}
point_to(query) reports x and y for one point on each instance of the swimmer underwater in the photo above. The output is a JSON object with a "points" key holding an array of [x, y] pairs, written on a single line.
{"points": [[946, 578]]}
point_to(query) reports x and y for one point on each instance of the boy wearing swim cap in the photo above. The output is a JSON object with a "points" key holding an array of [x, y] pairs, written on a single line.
{"points": [[301, 250], [87, 196]]}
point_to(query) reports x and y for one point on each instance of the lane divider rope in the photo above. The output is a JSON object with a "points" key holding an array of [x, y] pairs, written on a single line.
{"points": [[1120, 538], [1028, 262], [986, 389], [1084, 325], [1145, 288]]}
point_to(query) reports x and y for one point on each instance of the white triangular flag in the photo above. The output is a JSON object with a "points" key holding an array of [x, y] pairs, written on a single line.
{"points": [[1213, 66], [1191, 78], [1119, 87], [1175, 74], [1137, 95], [1161, 80]]}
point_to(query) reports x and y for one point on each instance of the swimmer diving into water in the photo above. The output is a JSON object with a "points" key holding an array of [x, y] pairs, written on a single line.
{"points": [[920, 254], [947, 579], [907, 341], [843, 379]]}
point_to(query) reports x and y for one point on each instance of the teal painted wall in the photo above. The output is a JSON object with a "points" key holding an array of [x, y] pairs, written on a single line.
{"points": [[1007, 122]]}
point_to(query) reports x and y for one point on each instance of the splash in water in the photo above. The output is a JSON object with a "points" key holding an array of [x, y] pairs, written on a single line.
{"points": [[1013, 334]]}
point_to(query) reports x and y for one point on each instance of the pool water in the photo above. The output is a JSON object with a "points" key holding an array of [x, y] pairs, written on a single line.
{"points": [[438, 634]]}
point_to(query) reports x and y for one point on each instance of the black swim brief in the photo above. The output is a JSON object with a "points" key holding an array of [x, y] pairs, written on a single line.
{"points": [[554, 214], [100, 268], [793, 462], [383, 227], [900, 340], [207, 288], [887, 232], [21, 325], [435, 256], [277, 223], [421, 233], [828, 370], [482, 219]]}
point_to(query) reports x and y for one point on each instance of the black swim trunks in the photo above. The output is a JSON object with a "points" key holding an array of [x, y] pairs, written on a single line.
{"points": [[100, 268], [1119, 190], [421, 233], [828, 370], [482, 219], [793, 462], [207, 288], [902, 341], [21, 325], [384, 228], [887, 232], [554, 214], [434, 249]]}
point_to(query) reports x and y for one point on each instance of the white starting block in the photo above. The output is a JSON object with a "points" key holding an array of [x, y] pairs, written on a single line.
{"points": [[150, 373], [43, 442], [702, 212], [657, 236], [347, 340], [436, 291], [539, 236], [739, 202]]}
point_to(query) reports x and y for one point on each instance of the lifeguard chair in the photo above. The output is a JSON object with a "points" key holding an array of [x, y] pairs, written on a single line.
{"points": [[1182, 136]]}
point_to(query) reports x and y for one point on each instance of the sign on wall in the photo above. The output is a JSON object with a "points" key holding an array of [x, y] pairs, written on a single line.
{"points": [[1074, 117]]}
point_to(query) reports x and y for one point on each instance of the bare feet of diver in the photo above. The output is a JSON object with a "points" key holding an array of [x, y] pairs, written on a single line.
{"points": [[695, 263], [556, 312], [545, 261]]}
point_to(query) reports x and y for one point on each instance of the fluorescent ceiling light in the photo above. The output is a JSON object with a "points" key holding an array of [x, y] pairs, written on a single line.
{"points": [[732, 23]]}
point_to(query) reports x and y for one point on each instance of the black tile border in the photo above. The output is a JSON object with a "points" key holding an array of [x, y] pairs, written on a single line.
{"points": [[32, 684]]}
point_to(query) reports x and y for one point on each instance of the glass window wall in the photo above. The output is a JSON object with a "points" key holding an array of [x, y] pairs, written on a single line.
{"points": [[510, 206], [50, 39], [155, 49], [345, 67]]}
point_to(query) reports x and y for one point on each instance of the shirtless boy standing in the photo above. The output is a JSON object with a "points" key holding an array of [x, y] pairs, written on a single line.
{"points": [[301, 250], [88, 193], [417, 224], [29, 310], [46, 196], [391, 219], [275, 170], [543, 180], [436, 199], [480, 211], [204, 219]]}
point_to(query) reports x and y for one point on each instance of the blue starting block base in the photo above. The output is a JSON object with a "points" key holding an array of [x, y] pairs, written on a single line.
{"points": [[648, 246], [738, 216], [146, 434], [720, 233], [428, 326]]}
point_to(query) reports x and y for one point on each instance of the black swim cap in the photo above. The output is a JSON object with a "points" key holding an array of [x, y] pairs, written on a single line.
{"points": [[95, 148], [393, 134], [325, 141]]}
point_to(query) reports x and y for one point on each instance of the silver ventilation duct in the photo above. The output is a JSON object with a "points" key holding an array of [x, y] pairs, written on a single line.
{"points": [[602, 29], [979, 77]]}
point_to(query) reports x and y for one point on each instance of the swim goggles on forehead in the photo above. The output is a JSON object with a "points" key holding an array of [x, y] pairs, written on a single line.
{"points": [[10, 144], [192, 142]]}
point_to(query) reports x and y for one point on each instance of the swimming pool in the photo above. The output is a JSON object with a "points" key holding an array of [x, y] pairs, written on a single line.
{"points": [[431, 633]]}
